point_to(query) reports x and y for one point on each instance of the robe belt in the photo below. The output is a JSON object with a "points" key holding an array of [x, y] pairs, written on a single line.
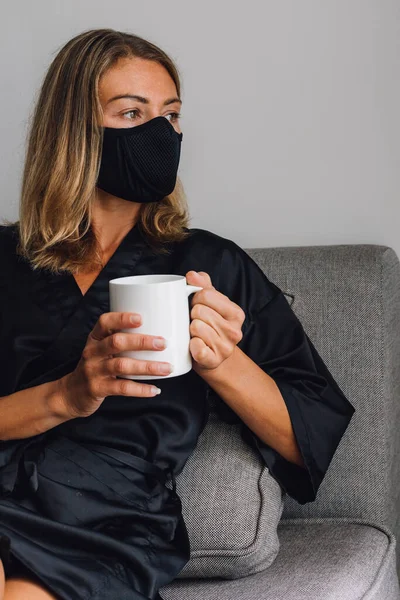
{"points": [[134, 461], [26, 457]]}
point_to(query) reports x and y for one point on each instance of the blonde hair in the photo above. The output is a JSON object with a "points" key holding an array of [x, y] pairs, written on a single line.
{"points": [[63, 155]]}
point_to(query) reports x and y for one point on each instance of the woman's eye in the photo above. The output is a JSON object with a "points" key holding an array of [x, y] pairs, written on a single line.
{"points": [[174, 116], [130, 111]]}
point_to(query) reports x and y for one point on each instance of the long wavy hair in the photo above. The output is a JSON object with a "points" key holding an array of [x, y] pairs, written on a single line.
{"points": [[63, 154]]}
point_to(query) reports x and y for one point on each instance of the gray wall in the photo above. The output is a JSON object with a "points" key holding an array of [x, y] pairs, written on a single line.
{"points": [[291, 109]]}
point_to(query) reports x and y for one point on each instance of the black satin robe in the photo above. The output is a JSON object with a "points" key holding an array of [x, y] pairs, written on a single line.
{"points": [[92, 522]]}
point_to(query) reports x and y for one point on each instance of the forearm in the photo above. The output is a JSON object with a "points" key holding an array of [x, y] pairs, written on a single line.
{"points": [[256, 398], [32, 411]]}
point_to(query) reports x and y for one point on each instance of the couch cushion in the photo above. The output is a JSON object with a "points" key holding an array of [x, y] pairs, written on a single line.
{"points": [[230, 503], [318, 559]]}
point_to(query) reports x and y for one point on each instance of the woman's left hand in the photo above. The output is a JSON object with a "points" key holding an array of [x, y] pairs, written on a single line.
{"points": [[216, 325]]}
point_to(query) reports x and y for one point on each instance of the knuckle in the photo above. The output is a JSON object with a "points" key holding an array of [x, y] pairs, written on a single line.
{"points": [[208, 295], [195, 312], [107, 366], [149, 368], [195, 324], [87, 369], [124, 386], [120, 365], [232, 332], [116, 341], [102, 320], [86, 352], [226, 347], [241, 315], [145, 341], [93, 388]]}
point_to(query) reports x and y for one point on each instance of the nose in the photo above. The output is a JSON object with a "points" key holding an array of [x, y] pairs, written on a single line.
{"points": [[154, 113]]}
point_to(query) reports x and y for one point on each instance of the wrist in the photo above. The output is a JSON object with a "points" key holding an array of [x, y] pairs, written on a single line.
{"points": [[58, 404]]}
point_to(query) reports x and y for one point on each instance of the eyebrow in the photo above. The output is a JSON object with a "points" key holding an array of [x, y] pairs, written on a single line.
{"points": [[141, 99]]}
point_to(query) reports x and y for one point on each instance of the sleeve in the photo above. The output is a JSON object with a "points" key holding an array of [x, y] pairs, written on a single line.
{"points": [[275, 340]]}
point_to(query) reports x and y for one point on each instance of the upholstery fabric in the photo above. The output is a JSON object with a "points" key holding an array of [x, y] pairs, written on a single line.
{"points": [[348, 300], [328, 560], [231, 505]]}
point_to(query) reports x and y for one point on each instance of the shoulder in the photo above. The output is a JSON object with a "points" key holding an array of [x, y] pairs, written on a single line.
{"points": [[212, 245], [206, 239], [8, 236], [8, 243], [238, 275]]}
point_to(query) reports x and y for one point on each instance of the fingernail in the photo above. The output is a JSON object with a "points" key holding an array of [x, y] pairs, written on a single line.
{"points": [[135, 319], [155, 390], [159, 343]]}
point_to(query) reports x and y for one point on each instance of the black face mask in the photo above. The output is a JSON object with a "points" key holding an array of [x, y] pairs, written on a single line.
{"points": [[140, 163]]}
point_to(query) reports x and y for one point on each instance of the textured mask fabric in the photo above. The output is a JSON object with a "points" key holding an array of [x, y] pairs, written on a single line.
{"points": [[140, 163]]}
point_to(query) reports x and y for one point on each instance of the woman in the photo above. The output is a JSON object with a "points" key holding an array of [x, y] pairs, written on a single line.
{"points": [[85, 453]]}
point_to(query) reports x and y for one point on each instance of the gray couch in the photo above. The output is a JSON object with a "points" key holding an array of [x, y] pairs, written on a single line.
{"points": [[343, 545]]}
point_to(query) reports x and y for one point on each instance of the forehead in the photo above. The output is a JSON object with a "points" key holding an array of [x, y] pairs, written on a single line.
{"points": [[137, 76]]}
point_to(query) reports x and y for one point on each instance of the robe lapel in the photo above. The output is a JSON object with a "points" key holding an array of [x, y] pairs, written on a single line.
{"points": [[66, 348]]}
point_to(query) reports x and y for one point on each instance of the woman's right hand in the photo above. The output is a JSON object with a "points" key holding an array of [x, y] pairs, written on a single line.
{"points": [[94, 378]]}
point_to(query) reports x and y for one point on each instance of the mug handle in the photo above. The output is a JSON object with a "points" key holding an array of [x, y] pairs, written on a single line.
{"points": [[192, 288]]}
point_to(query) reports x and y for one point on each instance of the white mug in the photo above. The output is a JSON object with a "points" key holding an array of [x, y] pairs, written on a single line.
{"points": [[162, 302]]}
